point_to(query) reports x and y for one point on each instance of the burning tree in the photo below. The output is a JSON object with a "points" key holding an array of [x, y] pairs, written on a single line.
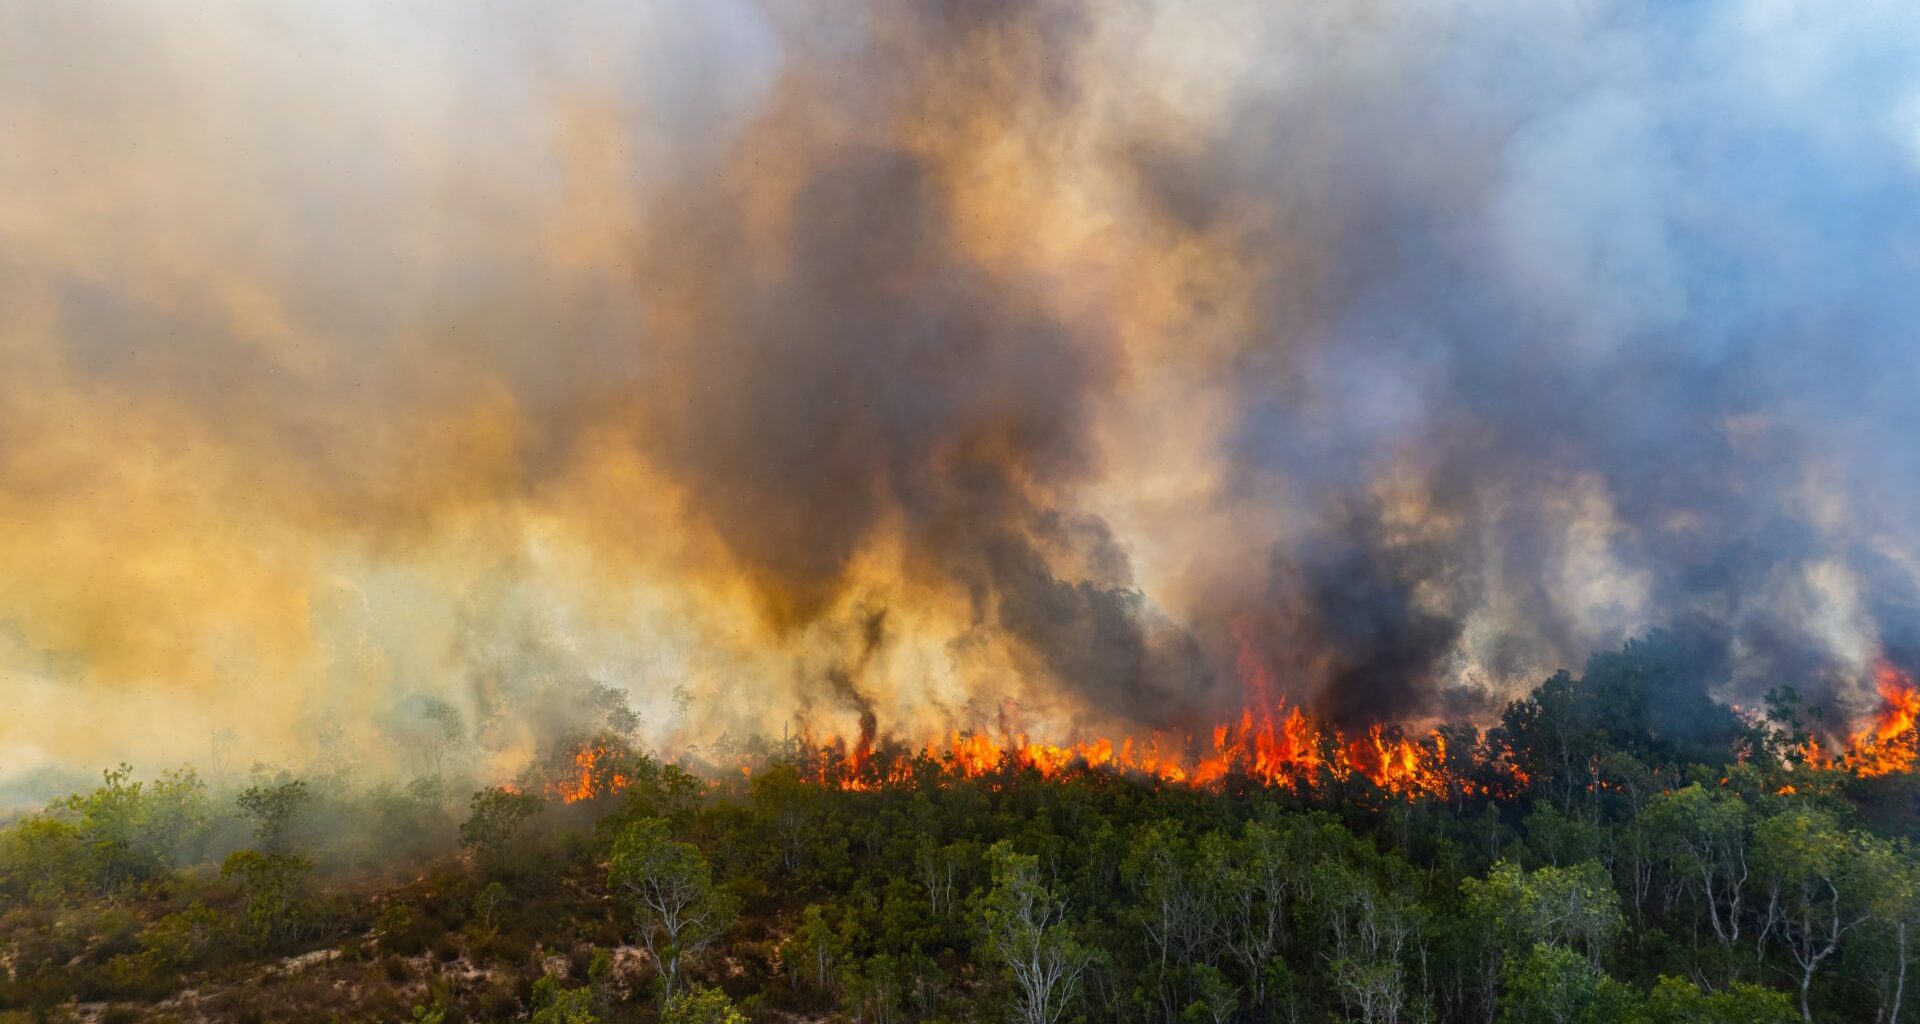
{"points": [[1888, 744]]}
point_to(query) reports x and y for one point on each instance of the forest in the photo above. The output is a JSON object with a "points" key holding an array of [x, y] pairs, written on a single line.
{"points": [[1616, 846]]}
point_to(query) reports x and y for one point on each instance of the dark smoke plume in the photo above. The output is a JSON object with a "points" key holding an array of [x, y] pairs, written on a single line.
{"points": [[364, 359]]}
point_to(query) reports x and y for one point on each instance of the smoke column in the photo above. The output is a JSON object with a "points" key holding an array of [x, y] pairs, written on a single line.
{"points": [[908, 366]]}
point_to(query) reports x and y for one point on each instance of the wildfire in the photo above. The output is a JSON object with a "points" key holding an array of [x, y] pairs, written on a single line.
{"points": [[1285, 749], [599, 769], [1272, 742], [1275, 743], [1888, 744]]}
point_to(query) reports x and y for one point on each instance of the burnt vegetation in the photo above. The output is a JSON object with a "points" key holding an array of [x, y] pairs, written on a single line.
{"points": [[1616, 848]]}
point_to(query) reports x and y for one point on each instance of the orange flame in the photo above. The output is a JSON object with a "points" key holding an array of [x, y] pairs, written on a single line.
{"points": [[1887, 744], [1270, 743], [1284, 748], [598, 770], [1276, 744]]}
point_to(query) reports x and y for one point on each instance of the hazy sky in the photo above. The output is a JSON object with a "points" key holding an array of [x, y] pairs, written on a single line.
{"points": [[948, 360]]}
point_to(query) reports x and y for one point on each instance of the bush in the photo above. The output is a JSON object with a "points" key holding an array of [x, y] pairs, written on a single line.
{"points": [[701, 1006]]}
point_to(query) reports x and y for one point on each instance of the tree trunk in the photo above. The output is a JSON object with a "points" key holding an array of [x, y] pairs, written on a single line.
{"points": [[1900, 979], [1806, 982]]}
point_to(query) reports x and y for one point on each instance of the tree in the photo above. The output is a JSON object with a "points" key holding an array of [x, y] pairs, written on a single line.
{"points": [[41, 857], [1632, 846], [939, 869], [555, 1005], [439, 730], [1705, 836], [1370, 927], [271, 884], [1896, 916], [496, 814], [1820, 885], [670, 888], [272, 808], [814, 947], [1555, 985], [871, 988], [1026, 929], [1263, 873], [1215, 1000], [1649, 699], [1182, 906], [699, 1005], [487, 903], [1676, 1001], [109, 824], [1575, 907], [179, 939], [179, 817]]}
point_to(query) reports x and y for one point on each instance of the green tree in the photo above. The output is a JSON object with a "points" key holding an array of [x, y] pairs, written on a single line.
{"points": [[496, 814], [1215, 998], [1026, 930], [110, 824], [555, 1005], [698, 1005], [178, 817], [41, 857], [1512, 911], [670, 888], [1555, 985], [1896, 920], [487, 903], [180, 939], [272, 808], [815, 948], [1676, 1001], [1182, 906], [1821, 884], [1574, 907], [1262, 874], [271, 884], [1705, 837], [1369, 927]]}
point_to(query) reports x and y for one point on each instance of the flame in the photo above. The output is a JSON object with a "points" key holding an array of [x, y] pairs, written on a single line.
{"points": [[599, 769], [1887, 744], [1271, 743], [1282, 747]]}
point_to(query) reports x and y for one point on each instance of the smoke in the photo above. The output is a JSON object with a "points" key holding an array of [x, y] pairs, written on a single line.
{"points": [[888, 366]]}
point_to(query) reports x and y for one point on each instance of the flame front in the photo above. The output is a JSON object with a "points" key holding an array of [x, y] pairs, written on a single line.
{"points": [[1282, 747], [1270, 743]]}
